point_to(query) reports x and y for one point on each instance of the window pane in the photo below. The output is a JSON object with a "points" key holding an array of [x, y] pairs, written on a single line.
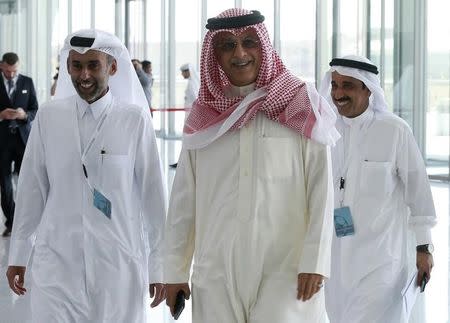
{"points": [[298, 37], [215, 7], [376, 43], [153, 54], [437, 135], [105, 15], [266, 9], [136, 30], [388, 82], [81, 14], [59, 34], [350, 36], [187, 38]]}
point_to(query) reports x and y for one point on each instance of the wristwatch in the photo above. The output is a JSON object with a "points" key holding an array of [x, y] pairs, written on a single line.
{"points": [[426, 248]]}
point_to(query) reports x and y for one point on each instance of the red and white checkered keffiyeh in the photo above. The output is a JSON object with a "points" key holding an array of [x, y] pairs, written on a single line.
{"points": [[287, 100]]}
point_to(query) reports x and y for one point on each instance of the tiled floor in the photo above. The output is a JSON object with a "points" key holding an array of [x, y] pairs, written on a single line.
{"points": [[14, 309]]}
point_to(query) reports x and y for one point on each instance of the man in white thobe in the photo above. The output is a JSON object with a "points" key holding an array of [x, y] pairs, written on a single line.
{"points": [[90, 197], [190, 94], [379, 177], [252, 195]]}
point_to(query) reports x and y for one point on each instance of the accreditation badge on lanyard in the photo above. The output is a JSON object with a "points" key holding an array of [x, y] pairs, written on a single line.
{"points": [[101, 202], [343, 221]]}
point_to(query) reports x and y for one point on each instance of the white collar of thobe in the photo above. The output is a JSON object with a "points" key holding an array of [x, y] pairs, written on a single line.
{"points": [[359, 120], [96, 107], [234, 91]]}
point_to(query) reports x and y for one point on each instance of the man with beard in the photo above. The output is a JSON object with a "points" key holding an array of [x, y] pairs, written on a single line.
{"points": [[379, 178], [253, 193], [90, 196]]}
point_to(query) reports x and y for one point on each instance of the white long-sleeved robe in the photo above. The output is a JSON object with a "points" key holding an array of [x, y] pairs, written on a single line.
{"points": [[386, 177], [256, 205], [190, 95], [87, 267]]}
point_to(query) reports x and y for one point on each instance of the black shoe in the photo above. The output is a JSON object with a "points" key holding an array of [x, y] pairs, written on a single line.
{"points": [[6, 233], [173, 165]]}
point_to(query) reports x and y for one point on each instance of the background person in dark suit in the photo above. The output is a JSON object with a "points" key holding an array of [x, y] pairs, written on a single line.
{"points": [[18, 106]]}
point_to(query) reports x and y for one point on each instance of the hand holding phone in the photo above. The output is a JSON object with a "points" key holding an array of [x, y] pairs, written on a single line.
{"points": [[423, 282], [179, 304]]}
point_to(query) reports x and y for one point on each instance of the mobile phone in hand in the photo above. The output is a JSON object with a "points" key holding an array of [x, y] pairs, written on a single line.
{"points": [[423, 282], [179, 304]]}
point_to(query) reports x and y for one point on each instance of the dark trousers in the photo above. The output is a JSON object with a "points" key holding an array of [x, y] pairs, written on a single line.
{"points": [[11, 149]]}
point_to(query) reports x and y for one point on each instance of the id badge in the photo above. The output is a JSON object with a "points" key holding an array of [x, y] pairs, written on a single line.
{"points": [[343, 222], [102, 203]]}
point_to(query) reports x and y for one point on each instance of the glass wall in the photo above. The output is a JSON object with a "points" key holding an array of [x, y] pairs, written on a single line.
{"points": [[104, 13], [381, 43], [81, 14], [297, 37], [266, 7], [152, 53], [352, 26], [438, 86], [215, 7], [187, 50], [407, 39], [134, 36]]}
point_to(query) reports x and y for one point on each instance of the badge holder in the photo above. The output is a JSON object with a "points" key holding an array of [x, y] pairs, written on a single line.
{"points": [[343, 221], [101, 202]]}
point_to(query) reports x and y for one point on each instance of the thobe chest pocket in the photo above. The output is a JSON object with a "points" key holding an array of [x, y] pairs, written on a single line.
{"points": [[114, 170], [277, 157], [376, 179]]}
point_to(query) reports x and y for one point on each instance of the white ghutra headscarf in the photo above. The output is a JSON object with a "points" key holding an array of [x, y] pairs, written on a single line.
{"points": [[124, 84], [377, 101]]}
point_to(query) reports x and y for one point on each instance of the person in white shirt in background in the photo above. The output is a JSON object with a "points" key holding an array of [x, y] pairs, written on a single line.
{"points": [[252, 197], [91, 199], [379, 178], [190, 94]]}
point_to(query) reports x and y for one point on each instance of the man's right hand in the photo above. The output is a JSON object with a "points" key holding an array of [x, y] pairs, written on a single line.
{"points": [[172, 291], [16, 277]]}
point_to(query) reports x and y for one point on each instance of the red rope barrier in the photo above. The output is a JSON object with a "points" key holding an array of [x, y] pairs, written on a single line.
{"points": [[169, 109]]}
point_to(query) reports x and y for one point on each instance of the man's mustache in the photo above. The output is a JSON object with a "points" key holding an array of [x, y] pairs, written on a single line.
{"points": [[345, 98]]}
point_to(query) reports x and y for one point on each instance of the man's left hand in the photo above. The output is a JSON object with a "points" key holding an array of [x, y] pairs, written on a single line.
{"points": [[159, 292], [308, 285], [21, 114], [424, 263]]}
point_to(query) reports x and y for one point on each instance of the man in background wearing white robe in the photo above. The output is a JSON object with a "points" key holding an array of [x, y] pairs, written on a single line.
{"points": [[252, 195], [91, 200], [190, 94], [379, 175]]}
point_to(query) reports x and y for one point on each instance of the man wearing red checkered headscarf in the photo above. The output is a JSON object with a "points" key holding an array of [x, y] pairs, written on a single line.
{"points": [[252, 196]]}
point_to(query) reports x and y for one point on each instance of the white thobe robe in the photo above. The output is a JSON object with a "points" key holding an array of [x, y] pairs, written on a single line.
{"points": [[256, 205], [88, 267], [386, 180]]}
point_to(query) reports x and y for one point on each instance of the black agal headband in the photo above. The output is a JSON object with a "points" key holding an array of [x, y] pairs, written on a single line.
{"points": [[78, 41], [354, 64], [253, 18]]}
